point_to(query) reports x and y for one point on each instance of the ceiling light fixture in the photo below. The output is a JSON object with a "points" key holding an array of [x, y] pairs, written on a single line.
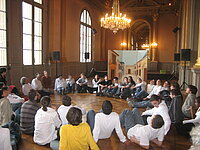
{"points": [[116, 21]]}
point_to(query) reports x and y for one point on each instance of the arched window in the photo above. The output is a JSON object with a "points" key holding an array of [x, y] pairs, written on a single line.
{"points": [[85, 37]]}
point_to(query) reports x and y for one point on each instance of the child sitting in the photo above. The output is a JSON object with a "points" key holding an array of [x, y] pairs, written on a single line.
{"points": [[76, 135], [46, 122], [189, 101], [5, 107]]}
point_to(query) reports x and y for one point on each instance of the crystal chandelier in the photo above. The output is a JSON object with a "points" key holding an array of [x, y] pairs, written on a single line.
{"points": [[116, 21]]}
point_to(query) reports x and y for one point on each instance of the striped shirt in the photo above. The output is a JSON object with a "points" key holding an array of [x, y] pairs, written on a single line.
{"points": [[27, 116]]}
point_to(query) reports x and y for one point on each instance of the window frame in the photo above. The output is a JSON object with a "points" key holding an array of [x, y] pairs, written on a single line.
{"points": [[88, 27], [33, 35], [6, 30]]}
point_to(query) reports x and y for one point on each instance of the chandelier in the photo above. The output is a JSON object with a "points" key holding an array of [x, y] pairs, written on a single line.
{"points": [[116, 21], [145, 46]]}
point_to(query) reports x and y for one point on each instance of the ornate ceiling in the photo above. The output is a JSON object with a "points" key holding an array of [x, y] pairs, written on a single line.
{"points": [[138, 5]]}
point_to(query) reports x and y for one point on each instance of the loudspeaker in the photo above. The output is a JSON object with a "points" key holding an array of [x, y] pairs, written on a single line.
{"points": [[175, 29], [56, 56], [176, 56], [87, 55], [185, 54], [94, 31]]}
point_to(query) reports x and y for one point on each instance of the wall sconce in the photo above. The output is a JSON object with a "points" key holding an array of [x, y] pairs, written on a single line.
{"points": [[145, 46], [124, 44], [154, 45]]}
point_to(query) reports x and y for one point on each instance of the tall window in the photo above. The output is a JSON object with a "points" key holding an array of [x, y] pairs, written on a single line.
{"points": [[3, 45], [32, 32], [85, 37]]}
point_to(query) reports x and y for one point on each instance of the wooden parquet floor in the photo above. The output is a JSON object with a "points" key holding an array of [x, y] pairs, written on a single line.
{"points": [[90, 101]]}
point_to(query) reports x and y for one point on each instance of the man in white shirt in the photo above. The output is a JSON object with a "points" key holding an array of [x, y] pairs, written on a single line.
{"points": [[60, 85], [70, 84], [37, 85], [26, 86], [139, 133], [160, 108], [5, 139], [139, 89], [145, 101], [150, 86], [102, 124], [64, 108], [156, 89]]}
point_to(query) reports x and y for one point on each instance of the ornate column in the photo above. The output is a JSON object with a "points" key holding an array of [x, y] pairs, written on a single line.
{"points": [[154, 48], [196, 78], [197, 65]]}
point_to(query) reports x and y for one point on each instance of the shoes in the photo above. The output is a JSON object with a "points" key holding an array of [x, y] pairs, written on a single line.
{"points": [[109, 95], [99, 94], [116, 96], [130, 104]]}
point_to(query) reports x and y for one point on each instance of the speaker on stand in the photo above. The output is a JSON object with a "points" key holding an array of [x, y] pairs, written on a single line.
{"points": [[176, 61], [185, 57], [56, 58], [87, 56]]}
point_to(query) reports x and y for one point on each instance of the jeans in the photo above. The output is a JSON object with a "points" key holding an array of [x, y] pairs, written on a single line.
{"points": [[16, 107], [70, 88], [54, 145], [82, 89], [61, 90], [141, 94], [129, 119], [91, 119], [142, 104]]}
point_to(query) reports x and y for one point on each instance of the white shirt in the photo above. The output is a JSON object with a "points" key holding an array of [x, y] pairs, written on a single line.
{"points": [[13, 98], [196, 120], [150, 88], [36, 84], [95, 83], [63, 110], [26, 88], [70, 81], [145, 133], [82, 80], [155, 91], [105, 124], [45, 124], [60, 83], [142, 85], [5, 139], [160, 110]]}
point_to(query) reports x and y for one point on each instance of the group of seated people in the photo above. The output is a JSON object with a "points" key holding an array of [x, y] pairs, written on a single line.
{"points": [[63, 128]]}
